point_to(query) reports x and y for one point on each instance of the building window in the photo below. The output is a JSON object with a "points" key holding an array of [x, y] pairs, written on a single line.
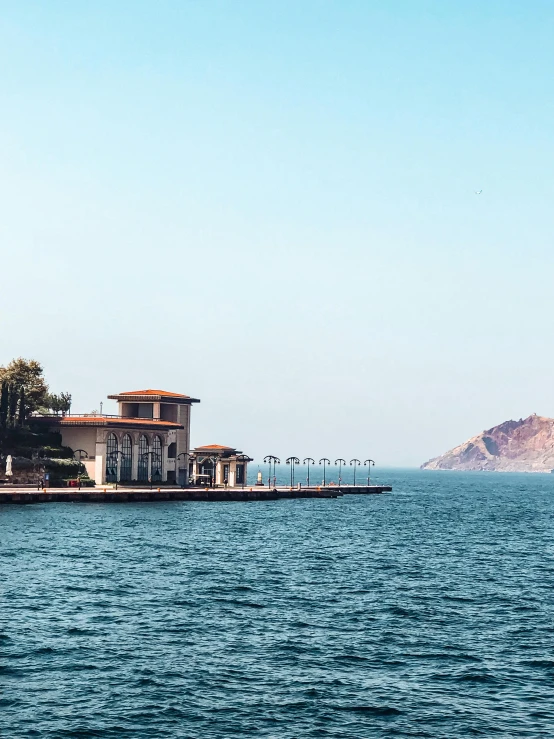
{"points": [[172, 450], [157, 459], [208, 468], [143, 459], [111, 458], [126, 468]]}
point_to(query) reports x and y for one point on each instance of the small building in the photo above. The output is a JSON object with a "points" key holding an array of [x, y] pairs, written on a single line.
{"points": [[149, 439], [215, 464]]}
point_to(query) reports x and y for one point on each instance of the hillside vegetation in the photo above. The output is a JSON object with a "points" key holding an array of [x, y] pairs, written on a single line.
{"points": [[23, 394]]}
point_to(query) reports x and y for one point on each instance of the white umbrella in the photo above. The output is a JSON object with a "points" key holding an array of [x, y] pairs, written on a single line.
{"points": [[9, 472]]}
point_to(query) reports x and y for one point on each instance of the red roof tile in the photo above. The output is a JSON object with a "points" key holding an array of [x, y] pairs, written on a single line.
{"points": [[154, 396], [216, 446], [155, 392]]}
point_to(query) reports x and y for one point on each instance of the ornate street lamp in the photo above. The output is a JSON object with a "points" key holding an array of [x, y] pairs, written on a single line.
{"points": [[271, 459], [309, 461], [356, 463], [80, 452], [114, 453], [243, 458], [369, 462], [151, 454], [340, 462], [325, 462], [292, 461]]}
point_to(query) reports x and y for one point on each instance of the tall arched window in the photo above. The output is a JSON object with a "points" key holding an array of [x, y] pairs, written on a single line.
{"points": [[126, 468], [143, 459], [157, 459], [111, 458]]}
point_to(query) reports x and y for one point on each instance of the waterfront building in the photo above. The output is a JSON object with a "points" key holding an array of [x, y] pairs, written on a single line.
{"points": [[149, 438], [226, 464]]}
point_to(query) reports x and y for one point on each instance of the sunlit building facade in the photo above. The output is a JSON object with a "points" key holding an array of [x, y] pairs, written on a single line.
{"points": [[148, 440], [218, 465]]}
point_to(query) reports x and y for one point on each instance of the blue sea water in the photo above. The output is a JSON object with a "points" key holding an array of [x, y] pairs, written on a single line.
{"points": [[427, 612]]}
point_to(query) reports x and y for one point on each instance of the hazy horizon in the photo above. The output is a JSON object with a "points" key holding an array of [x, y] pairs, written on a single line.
{"points": [[272, 207]]}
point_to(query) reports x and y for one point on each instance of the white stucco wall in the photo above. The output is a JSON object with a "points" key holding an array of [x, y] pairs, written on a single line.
{"points": [[79, 438]]}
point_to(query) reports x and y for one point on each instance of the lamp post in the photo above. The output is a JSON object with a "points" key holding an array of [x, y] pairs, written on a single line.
{"points": [[243, 458], [114, 454], [356, 463], [157, 460], [325, 462], [369, 462], [340, 462], [293, 461], [80, 452], [184, 455], [309, 461], [271, 459], [151, 454]]}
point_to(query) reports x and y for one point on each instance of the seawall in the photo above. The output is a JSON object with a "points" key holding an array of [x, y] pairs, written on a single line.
{"points": [[124, 495]]}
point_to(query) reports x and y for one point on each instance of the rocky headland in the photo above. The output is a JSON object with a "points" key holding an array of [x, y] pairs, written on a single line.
{"points": [[526, 445]]}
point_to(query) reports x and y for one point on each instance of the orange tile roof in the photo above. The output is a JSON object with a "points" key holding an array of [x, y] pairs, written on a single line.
{"points": [[155, 392], [154, 396], [216, 446]]}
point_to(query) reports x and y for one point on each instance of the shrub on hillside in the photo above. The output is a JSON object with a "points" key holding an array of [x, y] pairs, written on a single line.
{"points": [[21, 464], [63, 468], [56, 452]]}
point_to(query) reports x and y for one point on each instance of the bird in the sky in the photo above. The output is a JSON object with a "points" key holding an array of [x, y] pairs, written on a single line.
{"points": [[477, 192]]}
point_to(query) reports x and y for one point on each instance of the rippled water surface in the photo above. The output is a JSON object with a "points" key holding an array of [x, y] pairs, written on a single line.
{"points": [[427, 612]]}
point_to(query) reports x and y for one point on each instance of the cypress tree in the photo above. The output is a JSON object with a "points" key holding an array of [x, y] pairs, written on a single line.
{"points": [[12, 405], [4, 405], [22, 409]]}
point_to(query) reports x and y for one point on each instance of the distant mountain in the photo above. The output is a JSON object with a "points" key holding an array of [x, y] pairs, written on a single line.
{"points": [[526, 445]]}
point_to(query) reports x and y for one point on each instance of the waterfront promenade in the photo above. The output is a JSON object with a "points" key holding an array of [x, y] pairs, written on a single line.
{"points": [[107, 494]]}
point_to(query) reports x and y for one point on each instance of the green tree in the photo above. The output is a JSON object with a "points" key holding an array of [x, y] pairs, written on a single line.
{"points": [[27, 374], [65, 402], [52, 403], [58, 403]]}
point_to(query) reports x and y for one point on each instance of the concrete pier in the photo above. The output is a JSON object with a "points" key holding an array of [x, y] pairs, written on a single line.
{"points": [[107, 494]]}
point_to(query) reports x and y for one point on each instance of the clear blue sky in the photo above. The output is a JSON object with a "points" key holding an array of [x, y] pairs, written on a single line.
{"points": [[269, 204]]}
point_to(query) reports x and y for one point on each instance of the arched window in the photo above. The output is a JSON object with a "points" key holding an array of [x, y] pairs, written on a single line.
{"points": [[111, 458], [157, 459], [143, 459], [126, 468]]}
